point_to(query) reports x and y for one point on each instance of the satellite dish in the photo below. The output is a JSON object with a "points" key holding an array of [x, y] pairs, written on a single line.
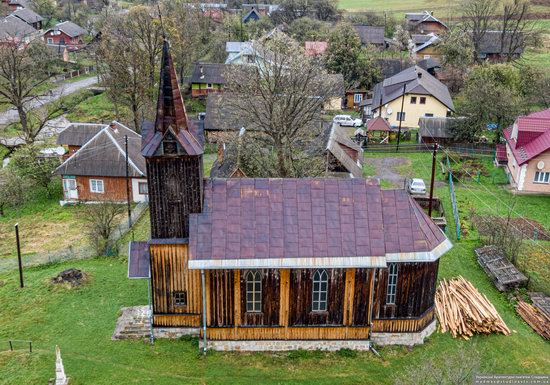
{"points": [[540, 165], [389, 111]]}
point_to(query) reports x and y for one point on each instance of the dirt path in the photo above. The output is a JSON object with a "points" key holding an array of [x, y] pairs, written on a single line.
{"points": [[11, 115], [386, 169]]}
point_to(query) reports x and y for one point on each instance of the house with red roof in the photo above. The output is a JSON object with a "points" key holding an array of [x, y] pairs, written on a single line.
{"points": [[528, 153]]}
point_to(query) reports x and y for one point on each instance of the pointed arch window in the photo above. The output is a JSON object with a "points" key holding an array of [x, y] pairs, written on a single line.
{"points": [[392, 284], [253, 292], [320, 291]]}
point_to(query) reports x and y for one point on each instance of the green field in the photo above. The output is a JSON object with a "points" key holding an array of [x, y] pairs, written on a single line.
{"points": [[438, 6]]}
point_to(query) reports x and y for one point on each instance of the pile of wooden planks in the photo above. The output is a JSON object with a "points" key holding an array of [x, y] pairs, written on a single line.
{"points": [[539, 321], [463, 311]]}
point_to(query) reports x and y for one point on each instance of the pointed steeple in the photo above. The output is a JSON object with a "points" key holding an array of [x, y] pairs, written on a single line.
{"points": [[170, 107]]}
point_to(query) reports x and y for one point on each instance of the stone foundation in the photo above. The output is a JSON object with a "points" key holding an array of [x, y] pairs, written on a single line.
{"points": [[281, 346], [407, 339], [166, 332]]}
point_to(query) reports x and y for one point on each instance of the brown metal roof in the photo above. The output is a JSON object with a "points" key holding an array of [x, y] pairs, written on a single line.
{"points": [[308, 223], [171, 115]]}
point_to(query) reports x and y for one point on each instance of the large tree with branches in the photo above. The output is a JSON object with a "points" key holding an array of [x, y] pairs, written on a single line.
{"points": [[24, 71], [278, 100]]}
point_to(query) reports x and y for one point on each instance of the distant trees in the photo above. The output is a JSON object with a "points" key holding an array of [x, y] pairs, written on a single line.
{"points": [[307, 29], [346, 56], [279, 101], [507, 16], [457, 51], [495, 93], [290, 10]]}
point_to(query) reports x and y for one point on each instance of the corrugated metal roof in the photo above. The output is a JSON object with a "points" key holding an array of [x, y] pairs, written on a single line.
{"points": [[104, 155], [77, 134], [308, 223], [208, 73], [28, 15], [13, 27], [370, 34]]}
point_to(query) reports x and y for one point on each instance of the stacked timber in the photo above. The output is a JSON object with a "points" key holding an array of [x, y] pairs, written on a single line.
{"points": [[539, 321], [463, 311]]}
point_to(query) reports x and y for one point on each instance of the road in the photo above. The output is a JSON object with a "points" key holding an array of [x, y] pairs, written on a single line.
{"points": [[11, 116]]}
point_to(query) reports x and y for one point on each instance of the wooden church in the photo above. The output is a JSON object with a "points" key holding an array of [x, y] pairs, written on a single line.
{"points": [[279, 264]]}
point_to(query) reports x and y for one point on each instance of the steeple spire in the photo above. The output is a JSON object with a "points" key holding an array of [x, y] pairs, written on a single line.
{"points": [[170, 107]]}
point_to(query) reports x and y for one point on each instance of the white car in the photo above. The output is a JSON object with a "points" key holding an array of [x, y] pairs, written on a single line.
{"points": [[347, 121], [416, 186]]}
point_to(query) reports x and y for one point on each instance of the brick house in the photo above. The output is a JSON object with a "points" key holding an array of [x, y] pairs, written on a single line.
{"points": [[95, 169], [528, 153]]}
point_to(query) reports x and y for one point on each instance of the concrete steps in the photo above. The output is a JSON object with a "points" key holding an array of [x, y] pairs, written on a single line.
{"points": [[133, 323]]}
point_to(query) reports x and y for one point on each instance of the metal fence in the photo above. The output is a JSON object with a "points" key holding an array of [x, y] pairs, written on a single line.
{"points": [[453, 199], [73, 253], [468, 148]]}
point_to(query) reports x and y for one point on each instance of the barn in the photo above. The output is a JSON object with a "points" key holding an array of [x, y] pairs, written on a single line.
{"points": [[280, 264]]}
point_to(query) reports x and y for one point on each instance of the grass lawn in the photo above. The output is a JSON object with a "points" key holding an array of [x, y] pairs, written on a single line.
{"points": [[95, 109], [43, 226]]}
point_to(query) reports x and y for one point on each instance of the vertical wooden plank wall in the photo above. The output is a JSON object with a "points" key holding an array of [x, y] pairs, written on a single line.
{"points": [[169, 274]]}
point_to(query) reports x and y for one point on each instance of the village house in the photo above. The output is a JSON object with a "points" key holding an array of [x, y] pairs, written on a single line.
{"points": [[15, 5], [315, 48], [425, 23], [66, 34], [252, 15], [95, 169], [30, 17], [207, 78], [491, 46], [528, 153], [355, 97], [13, 30], [420, 94], [371, 35], [261, 9], [279, 264]]}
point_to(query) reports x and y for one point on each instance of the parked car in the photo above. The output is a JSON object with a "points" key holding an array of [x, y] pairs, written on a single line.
{"points": [[347, 121], [416, 186]]}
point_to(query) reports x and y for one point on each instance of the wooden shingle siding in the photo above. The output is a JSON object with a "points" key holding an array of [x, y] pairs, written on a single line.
{"points": [[301, 298], [269, 316], [169, 274], [175, 189]]}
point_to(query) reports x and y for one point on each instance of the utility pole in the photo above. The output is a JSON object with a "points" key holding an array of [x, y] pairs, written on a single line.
{"points": [[434, 156], [401, 117], [128, 182], [21, 283]]}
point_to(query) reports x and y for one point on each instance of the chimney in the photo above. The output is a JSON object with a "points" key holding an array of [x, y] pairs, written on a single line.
{"points": [[419, 75]]}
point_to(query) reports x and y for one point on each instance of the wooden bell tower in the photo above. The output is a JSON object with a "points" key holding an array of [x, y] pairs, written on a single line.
{"points": [[173, 156]]}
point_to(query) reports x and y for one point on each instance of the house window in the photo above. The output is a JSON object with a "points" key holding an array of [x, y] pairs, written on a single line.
{"points": [[392, 284], [96, 186], [69, 184], [253, 292], [400, 116], [429, 115], [209, 85], [542, 177], [142, 188], [320, 291], [422, 100], [250, 59], [180, 298], [357, 98], [427, 56], [50, 40], [413, 99]]}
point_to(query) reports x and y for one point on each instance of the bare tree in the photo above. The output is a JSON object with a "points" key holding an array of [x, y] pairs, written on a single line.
{"points": [[23, 73], [124, 70], [279, 98], [517, 32], [478, 18], [101, 221]]}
